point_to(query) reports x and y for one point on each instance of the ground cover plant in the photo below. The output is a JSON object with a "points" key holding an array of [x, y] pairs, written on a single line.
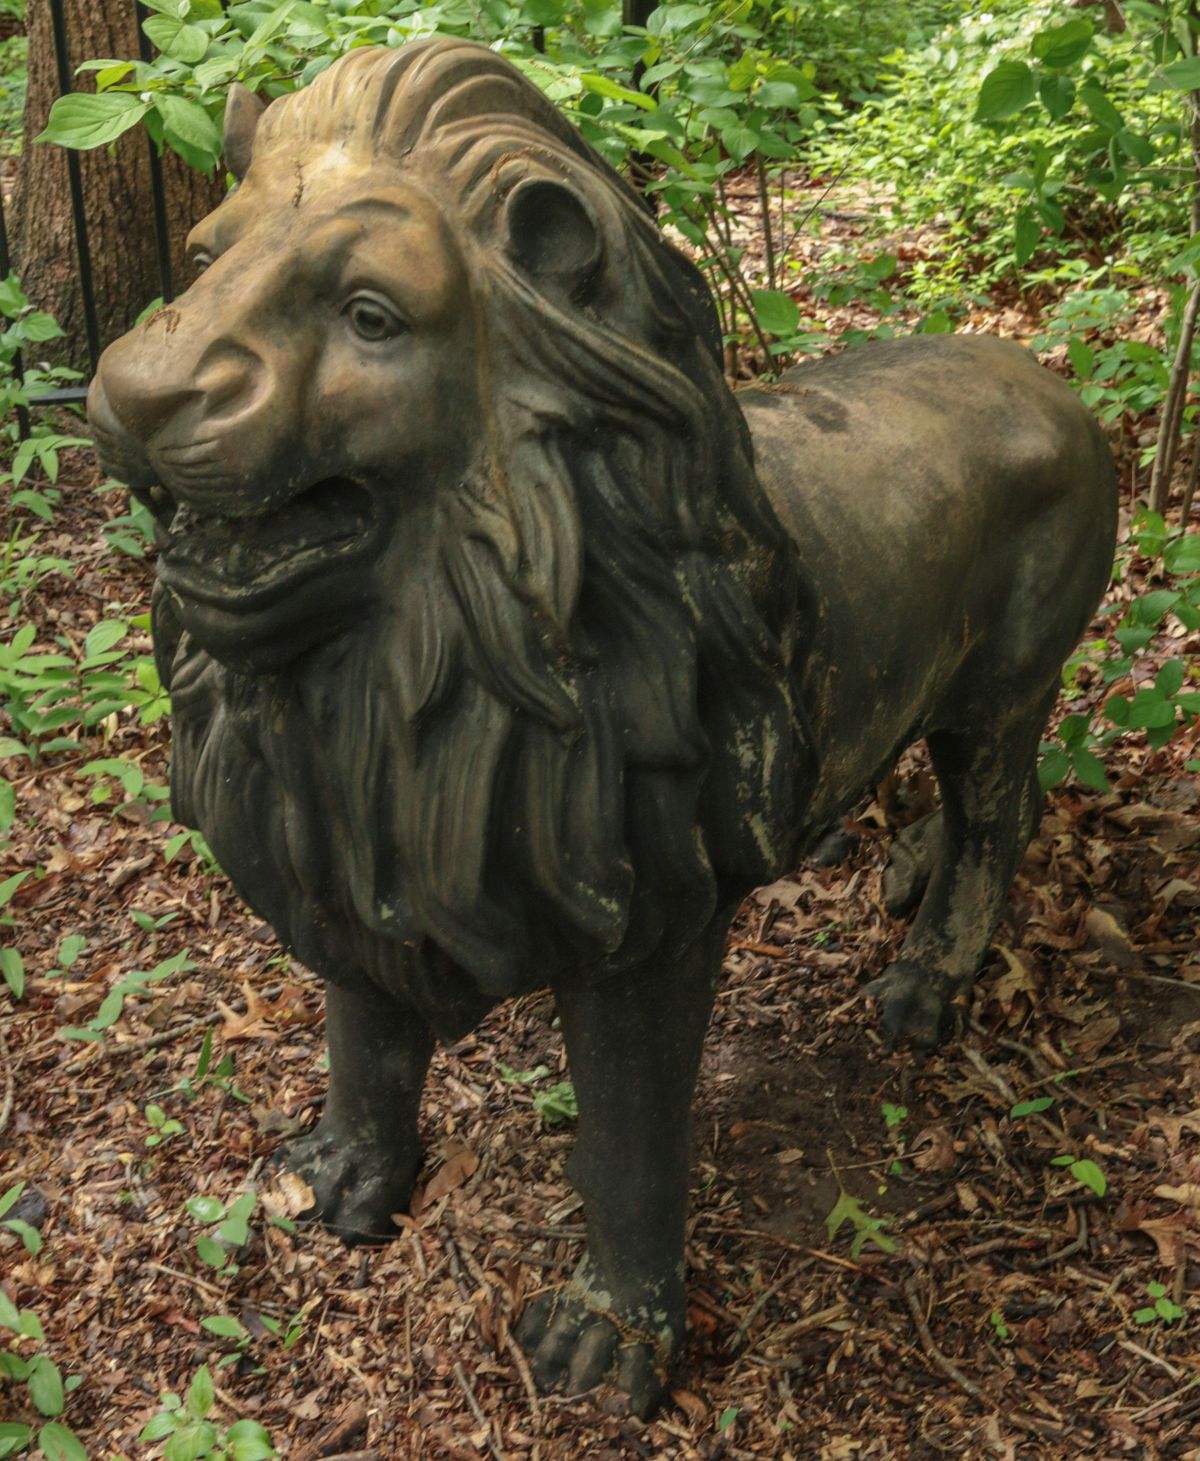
{"points": [[996, 1253]]}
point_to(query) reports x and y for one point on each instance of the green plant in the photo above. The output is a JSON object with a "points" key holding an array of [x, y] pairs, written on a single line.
{"points": [[12, 965], [206, 1074], [191, 1436], [1085, 1171], [162, 1127], [135, 984], [233, 1228], [45, 1387], [28, 1234], [999, 1328], [554, 1105], [1161, 1310]]}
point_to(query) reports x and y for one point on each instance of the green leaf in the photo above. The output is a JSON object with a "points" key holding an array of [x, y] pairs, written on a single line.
{"points": [[1006, 89], [1089, 769], [1082, 358], [82, 120], [10, 885], [1183, 555], [1184, 75], [60, 1444], [9, 1316], [1063, 45], [205, 1209], [1169, 679], [225, 1326], [603, 86], [1031, 1108], [1053, 768], [211, 1252], [777, 313], [10, 1199], [199, 1398], [1105, 115], [103, 637], [70, 949], [45, 1386], [12, 966], [177, 39], [190, 123], [163, 1424], [1087, 1172], [1027, 234], [1149, 710], [28, 1234], [193, 1440], [249, 1441], [14, 1437]]}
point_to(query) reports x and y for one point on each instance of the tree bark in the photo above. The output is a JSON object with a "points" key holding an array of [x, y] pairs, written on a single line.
{"points": [[116, 189]]}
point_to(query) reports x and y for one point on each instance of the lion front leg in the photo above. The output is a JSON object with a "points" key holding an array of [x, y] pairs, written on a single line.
{"points": [[361, 1158], [633, 1045]]}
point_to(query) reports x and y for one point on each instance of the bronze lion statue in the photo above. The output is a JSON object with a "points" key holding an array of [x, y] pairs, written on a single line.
{"points": [[508, 648]]}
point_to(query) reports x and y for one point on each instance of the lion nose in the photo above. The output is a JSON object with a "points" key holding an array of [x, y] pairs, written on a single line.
{"points": [[147, 388], [132, 387]]}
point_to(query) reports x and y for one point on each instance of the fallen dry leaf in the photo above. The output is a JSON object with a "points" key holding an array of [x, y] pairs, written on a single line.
{"points": [[288, 1196], [246, 1026], [1107, 935], [459, 1164], [692, 1406], [1188, 1193], [1018, 979], [933, 1150], [1173, 1127], [1173, 1236]]}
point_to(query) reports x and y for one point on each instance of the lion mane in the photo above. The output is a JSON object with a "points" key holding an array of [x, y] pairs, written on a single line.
{"points": [[580, 727]]}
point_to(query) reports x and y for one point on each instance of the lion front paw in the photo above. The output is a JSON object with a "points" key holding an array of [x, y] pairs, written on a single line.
{"points": [[357, 1185], [578, 1338], [912, 1003]]}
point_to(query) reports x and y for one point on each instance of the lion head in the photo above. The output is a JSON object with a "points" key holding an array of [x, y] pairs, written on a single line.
{"points": [[478, 629]]}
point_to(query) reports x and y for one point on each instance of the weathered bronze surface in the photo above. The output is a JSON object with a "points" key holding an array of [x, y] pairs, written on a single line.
{"points": [[507, 648]]}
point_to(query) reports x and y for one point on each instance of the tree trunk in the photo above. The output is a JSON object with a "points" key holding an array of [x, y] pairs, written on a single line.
{"points": [[116, 190]]}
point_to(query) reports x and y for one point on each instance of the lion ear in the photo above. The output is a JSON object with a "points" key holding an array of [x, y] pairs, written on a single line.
{"points": [[242, 111], [552, 233]]}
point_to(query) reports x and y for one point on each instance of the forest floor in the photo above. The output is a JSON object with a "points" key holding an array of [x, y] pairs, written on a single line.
{"points": [[991, 1292]]}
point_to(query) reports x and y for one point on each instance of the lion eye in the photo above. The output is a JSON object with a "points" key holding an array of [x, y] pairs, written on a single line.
{"points": [[201, 259], [371, 320]]}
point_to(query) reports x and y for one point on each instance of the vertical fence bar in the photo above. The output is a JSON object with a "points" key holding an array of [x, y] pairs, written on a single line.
{"points": [[158, 192], [62, 59], [18, 358]]}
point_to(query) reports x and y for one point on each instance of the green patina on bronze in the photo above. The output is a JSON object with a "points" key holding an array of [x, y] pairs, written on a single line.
{"points": [[507, 648]]}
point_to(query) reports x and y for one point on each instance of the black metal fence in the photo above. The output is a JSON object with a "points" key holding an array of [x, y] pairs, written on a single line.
{"points": [[64, 70]]}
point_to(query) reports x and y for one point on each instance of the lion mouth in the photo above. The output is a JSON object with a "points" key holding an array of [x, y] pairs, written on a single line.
{"points": [[248, 561]]}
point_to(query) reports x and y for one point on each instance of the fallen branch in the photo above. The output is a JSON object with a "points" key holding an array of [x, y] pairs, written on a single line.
{"points": [[932, 1353]]}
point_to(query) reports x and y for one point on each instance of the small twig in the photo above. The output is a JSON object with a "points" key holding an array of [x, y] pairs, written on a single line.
{"points": [[1076, 1245], [933, 1354], [758, 1305], [152, 1042], [9, 1086], [1172, 411], [460, 1376], [1151, 1359], [521, 1364]]}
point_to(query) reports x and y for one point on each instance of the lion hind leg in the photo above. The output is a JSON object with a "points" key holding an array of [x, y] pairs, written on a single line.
{"points": [[991, 804]]}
